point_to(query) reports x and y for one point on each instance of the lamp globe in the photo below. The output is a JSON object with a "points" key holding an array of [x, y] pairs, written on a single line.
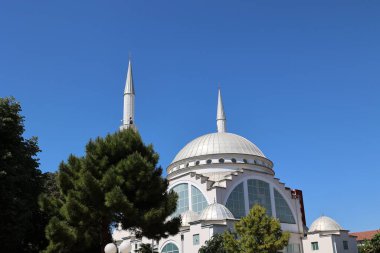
{"points": [[124, 246], [110, 248]]}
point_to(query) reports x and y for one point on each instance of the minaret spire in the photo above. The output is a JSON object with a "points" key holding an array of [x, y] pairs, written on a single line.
{"points": [[129, 101], [220, 115]]}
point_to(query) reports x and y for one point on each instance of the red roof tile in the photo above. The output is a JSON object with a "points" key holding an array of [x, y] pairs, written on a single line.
{"points": [[365, 235]]}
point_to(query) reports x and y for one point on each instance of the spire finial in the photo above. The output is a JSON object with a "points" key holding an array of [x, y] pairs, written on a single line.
{"points": [[129, 100], [129, 87], [220, 115]]}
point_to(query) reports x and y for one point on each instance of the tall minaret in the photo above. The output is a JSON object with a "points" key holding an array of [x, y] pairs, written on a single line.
{"points": [[220, 115], [129, 101]]}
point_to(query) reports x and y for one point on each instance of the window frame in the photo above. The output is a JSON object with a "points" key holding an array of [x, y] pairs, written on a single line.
{"points": [[279, 207], [314, 246], [174, 248], [196, 239], [345, 245], [238, 202], [189, 204]]}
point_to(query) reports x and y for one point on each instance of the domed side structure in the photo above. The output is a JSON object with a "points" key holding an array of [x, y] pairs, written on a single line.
{"points": [[189, 216], [326, 235], [216, 211], [218, 143], [323, 224]]}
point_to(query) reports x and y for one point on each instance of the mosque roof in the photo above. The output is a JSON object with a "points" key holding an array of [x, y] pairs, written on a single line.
{"points": [[218, 143], [216, 211], [323, 224]]}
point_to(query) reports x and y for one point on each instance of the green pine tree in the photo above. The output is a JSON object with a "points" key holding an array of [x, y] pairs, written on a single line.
{"points": [[21, 222], [116, 181], [256, 233], [214, 245], [147, 248]]}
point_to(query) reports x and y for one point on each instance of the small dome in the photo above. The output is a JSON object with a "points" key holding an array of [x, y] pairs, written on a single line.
{"points": [[216, 211], [324, 223], [218, 143], [189, 216]]}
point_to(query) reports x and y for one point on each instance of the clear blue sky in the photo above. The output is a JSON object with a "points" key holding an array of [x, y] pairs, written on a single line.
{"points": [[300, 79]]}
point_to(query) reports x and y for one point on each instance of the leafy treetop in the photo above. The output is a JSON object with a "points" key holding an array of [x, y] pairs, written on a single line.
{"points": [[256, 233]]}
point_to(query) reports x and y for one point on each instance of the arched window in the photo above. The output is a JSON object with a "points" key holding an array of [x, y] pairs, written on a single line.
{"points": [[209, 161], [183, 198], [233, 160], [259, 193], [197, 163], [235, 202], [221, 160], [198, 201], [245, 161], [170, 248], [284, 214]]}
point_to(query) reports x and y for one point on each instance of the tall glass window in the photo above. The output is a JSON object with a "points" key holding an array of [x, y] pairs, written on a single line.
{"points": [[183, 198], [198, 201], [196, 239], [259, 193], [235, 202], [284, 214], [170, 248]]}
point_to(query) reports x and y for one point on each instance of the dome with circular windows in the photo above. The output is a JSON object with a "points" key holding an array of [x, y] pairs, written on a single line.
{"points": [[218, 143]]}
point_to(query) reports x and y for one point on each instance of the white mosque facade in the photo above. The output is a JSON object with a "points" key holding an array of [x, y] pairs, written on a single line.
{"points": [[218, 178]]}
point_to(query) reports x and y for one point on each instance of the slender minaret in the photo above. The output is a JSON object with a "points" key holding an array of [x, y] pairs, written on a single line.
{"points": [[220, 115], [129, 101]]}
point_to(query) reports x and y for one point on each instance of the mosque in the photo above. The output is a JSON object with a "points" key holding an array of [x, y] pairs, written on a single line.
{"points": [[218, 178]]}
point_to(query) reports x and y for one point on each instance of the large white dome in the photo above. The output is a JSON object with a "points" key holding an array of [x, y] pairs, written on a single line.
{"points": [[323, 224], [218, 143]]}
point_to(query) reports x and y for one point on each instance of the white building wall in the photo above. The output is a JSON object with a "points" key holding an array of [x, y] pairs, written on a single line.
{"points": [[330, 243], [325, 244], [221, 193], [338, 243], [205, 232]]}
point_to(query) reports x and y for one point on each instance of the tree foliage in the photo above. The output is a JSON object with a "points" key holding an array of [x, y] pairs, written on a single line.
{"points": [[49, 184], [147, 248], [256, 233], [21, 222], [214, 245], [116, 181], [371, 246]]}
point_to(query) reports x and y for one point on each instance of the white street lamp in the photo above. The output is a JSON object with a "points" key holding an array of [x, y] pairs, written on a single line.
{"points": [[124, 247], [110, 248]]}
